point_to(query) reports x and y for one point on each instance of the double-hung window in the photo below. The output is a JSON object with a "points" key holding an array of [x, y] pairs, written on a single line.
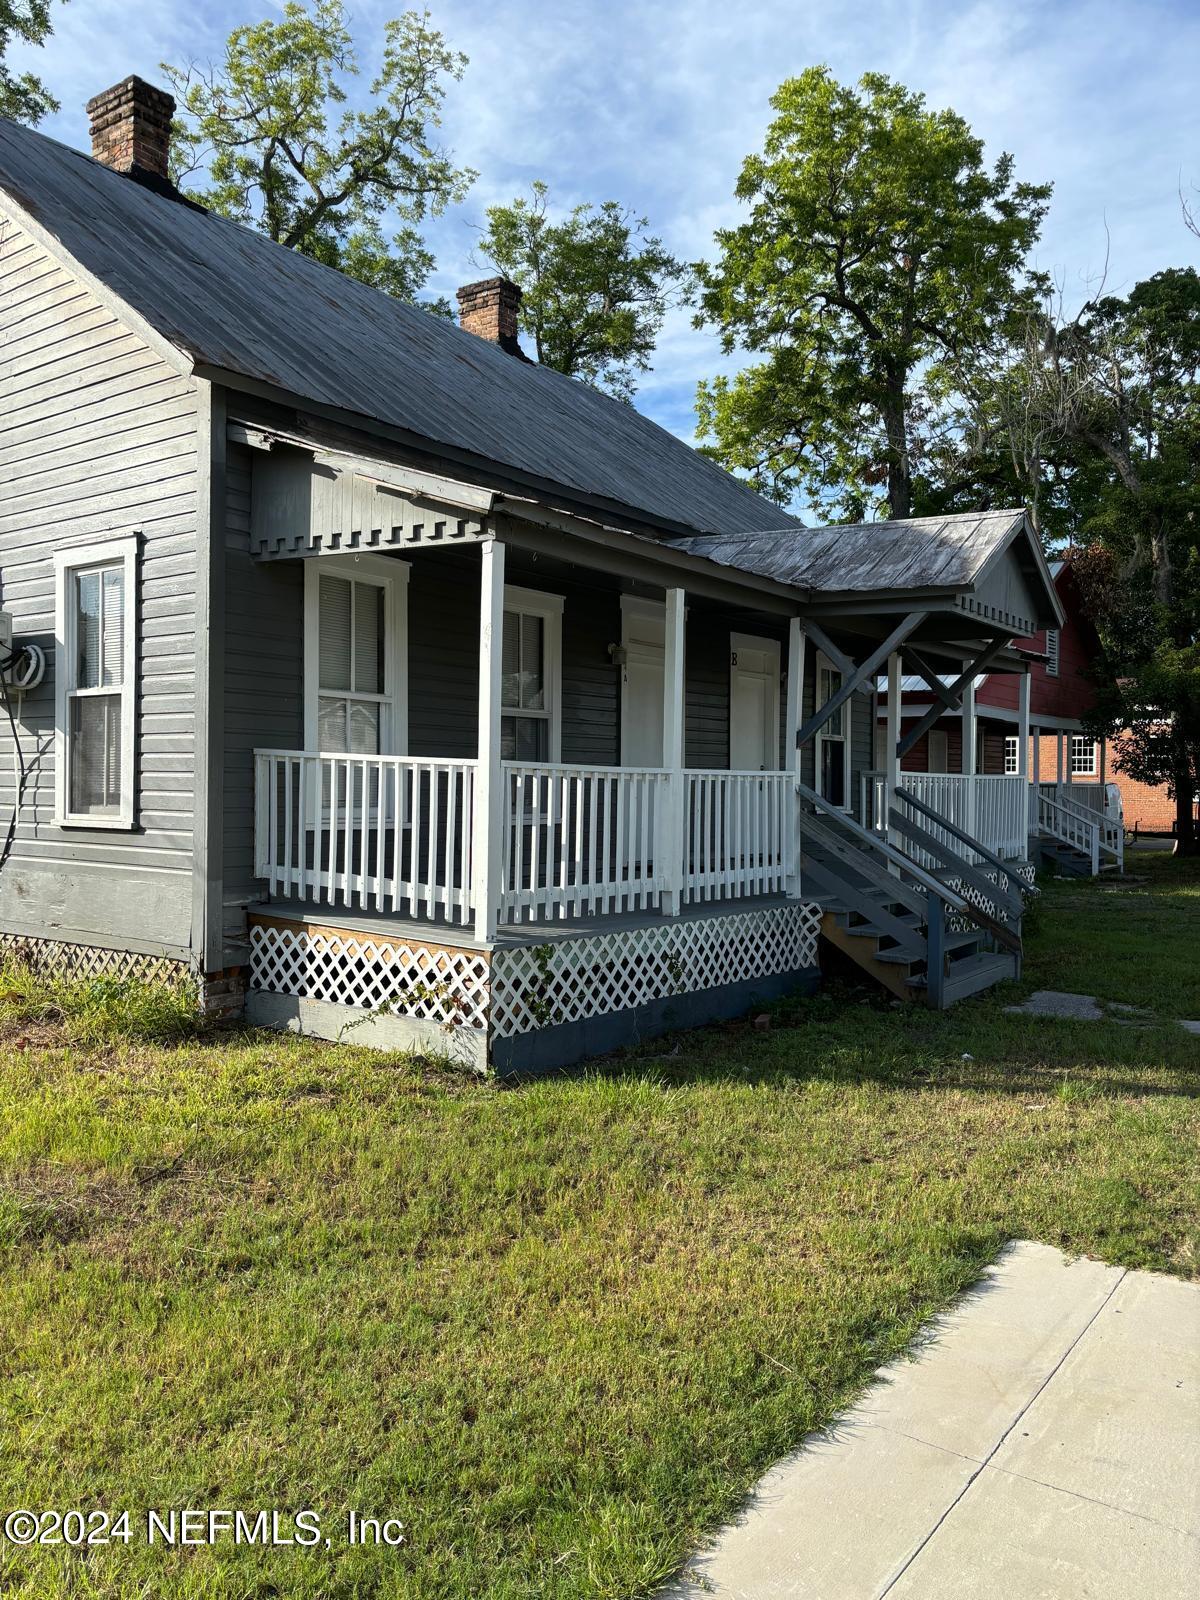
{"points": [[95, 680], [355, 650], [1012, 754], [530, 713], [1083, 756]]}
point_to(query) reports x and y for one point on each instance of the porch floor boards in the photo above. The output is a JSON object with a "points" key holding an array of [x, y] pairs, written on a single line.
{"points": [[458, 936]]}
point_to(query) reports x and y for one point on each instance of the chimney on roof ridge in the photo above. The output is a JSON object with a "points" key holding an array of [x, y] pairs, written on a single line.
{"points": [[489, 308], [131, 129]]}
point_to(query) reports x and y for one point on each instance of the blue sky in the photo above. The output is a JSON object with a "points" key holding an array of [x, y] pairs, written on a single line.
{"points": [[656, 104]]}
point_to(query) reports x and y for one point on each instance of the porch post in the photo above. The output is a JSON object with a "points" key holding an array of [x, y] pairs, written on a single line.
{"points": [[894, 725], [1103, 760], [1037, 782], [487, 832], [675, 829], [1058, 756], [970, 755], [1023, 726], [795, 716]]}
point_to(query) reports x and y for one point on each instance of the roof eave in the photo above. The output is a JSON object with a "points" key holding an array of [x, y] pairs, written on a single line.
{"points": [[500, 476]]}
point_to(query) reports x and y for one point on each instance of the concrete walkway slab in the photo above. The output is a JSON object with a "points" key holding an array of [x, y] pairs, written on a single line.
{"points": [[1045, 1442], [1009, 1539]]}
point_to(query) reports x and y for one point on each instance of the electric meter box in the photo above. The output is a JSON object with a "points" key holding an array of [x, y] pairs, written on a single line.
{"points": [[6, 631]]}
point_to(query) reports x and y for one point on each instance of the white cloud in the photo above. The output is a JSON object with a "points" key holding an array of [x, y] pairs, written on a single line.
{"points": [[657, 104]]}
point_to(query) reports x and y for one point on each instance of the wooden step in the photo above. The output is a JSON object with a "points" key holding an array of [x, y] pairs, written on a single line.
{"points": [[973, 975]]}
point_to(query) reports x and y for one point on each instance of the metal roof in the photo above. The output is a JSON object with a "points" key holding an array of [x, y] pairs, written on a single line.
{"points": [[860, 557], [229, 299]]}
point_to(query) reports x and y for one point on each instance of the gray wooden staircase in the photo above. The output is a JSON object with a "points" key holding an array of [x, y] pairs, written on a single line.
{"points": [[909, 910]]}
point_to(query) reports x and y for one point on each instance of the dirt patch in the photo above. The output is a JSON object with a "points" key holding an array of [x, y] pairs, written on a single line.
{"points": [[52, 1204]]}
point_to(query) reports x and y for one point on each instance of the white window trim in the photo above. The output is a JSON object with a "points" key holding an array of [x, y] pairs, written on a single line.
{"points": [[1012, 740], [80, 559], [549, 607], [1074, 771], [392, 575], [771, 648], [1052, 634], [847, 729]]}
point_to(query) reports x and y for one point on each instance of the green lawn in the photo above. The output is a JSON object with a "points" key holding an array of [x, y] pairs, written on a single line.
{"points": [[556, 1330]]}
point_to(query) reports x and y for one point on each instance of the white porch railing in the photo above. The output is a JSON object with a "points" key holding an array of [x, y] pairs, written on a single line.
{"points": [[992, 809], [387, 834], [1085, 826], [583, 840], [393, 835], [739, 833]]}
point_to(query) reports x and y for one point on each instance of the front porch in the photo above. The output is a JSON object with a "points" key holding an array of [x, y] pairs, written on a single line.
{"points": [[527, 732], [396, 836]]}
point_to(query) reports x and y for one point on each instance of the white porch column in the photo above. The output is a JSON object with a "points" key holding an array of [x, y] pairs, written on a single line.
{"points": [[1058, 756], [674, 832], [1023, 726], [487, 841], [1035, 788], [894, 725], [1103, 761], [797, 641], [970, 755], [1023, 687]]}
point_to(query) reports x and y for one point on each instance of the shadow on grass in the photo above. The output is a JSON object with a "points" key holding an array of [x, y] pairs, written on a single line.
{"points": [[846, 1035]]}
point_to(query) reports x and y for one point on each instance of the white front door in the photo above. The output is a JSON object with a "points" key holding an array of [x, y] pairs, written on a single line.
{"points": [[753, 703], [643, 627]]}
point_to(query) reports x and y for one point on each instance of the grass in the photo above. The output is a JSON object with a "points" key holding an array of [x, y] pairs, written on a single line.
{"points": [[559, 1330]]}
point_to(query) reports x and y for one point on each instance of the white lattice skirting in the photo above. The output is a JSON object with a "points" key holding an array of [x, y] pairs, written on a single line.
{"points": [[520, 989], [424, 982], [961, 924], [56, 958], [573, 980]]}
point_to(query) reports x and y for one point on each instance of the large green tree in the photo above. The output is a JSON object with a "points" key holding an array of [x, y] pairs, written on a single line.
{"points": [[1111, 398], [595, 285], [271, 130], [878, 247], [24, 97]]}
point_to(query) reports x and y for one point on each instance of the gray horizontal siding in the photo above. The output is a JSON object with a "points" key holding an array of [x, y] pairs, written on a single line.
{"points": [[98, 439]]}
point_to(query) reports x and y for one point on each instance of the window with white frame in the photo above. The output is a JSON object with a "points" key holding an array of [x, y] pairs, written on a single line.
{"points": [[1012, 754], [1083, 756], [530, 687], [1052, 652], [355, 649], [95, 683]]}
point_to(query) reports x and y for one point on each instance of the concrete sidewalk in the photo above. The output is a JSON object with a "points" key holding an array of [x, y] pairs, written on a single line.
{"points": [[1044, 1445]]}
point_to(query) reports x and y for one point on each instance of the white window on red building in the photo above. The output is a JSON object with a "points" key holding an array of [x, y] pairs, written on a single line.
{"points": [[1083, 756], [1012, 756]]}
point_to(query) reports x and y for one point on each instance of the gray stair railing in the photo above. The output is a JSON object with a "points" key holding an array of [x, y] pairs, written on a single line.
{"points": [[1008, 892], [910, 883]]}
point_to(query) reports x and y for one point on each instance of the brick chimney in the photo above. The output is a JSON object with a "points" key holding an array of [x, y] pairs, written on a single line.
{"points": [[131, 128], [489, 308]]}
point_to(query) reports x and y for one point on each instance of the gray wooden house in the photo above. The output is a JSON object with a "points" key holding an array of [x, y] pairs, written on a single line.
{"points": [[395, 680]]}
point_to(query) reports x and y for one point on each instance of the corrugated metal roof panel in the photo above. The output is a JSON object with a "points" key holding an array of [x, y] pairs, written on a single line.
{"points": [[860, 557], [229, 298]]}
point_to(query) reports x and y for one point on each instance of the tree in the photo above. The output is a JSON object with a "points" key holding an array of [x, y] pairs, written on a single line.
{"points": [[595, 286], [268, 127], [1115, 394], [24, 97], [878, 248]]}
